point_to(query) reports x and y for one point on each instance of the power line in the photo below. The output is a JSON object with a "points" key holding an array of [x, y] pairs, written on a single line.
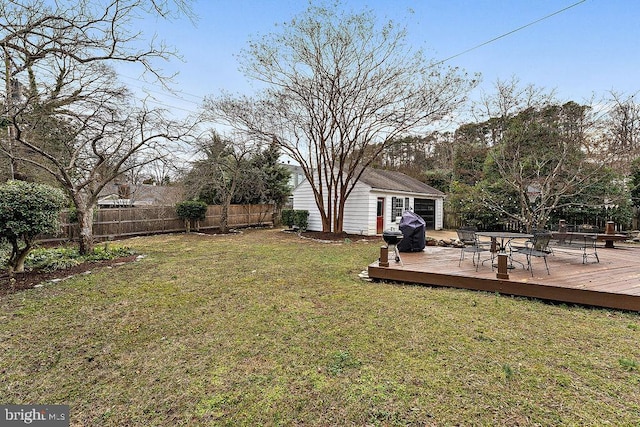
{"points": [[437, 63], [198, 99], [511, 32]]}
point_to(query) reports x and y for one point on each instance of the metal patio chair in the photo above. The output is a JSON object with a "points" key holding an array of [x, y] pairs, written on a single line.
{"points": [[470, 244], [538, 247]]}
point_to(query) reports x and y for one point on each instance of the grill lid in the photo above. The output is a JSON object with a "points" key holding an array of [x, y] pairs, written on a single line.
{"points": [[392, 237]]}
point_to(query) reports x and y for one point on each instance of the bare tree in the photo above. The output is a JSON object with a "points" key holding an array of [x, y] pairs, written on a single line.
{"points": [[97, 149], [509, 98], [339, 90], [621, 130], [72, 118], [161, 171], [538, 158]]}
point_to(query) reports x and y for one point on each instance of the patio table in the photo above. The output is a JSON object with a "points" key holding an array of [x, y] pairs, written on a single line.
{"points": [[505, 238], [505, 261]]}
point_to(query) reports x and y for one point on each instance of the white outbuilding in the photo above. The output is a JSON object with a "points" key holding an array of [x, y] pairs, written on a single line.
{"points": [[377, 202]]}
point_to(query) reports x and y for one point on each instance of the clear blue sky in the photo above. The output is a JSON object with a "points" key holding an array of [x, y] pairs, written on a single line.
{"points": [[593, 47]]}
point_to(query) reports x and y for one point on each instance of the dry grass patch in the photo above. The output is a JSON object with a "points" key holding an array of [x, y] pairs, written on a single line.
{"points": [[264, 328]]}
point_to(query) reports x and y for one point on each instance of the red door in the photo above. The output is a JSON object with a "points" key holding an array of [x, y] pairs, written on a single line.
{"points": [[380, 216]]}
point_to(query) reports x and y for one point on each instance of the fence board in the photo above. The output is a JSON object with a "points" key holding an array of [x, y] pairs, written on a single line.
{"points": [[112, 223]]}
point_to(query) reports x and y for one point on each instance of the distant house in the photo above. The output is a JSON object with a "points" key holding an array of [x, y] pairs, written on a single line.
{"points": [[138, 195], [377, 202], [297, 174], [295, 178]]}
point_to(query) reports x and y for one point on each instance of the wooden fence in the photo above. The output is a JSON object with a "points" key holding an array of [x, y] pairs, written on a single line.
{"points": [[112, 223], [453, 220]]}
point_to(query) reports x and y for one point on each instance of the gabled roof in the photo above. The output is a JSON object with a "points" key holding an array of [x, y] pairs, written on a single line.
{"points": [[379, 179], [159, 195], [142, 195]]}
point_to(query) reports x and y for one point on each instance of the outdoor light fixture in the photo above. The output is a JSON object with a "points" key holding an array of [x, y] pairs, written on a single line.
{"points": [[608, 204]]}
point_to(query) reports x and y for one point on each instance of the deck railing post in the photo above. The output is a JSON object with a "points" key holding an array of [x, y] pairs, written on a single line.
{"points": [[562, 231], [609, 229], [384, 257], [503, 271], [562, 226]]}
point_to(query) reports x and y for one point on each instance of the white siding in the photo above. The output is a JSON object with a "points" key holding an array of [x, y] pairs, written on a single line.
{"points": [[390, 223], [439, 213], [303, 200], [360, 209]]}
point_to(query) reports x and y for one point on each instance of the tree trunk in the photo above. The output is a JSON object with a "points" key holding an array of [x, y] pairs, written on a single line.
{"points": [[16, 260], [324, 219], [326, 224], [18, 266], [327, 219], [337, 201], [85, 221], [340, 216], [224, 217]]}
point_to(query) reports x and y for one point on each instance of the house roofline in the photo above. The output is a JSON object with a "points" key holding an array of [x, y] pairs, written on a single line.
{"points": [[407, 193]]}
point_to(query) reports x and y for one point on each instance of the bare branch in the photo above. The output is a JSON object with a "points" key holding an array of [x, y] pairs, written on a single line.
{"points": [[339, 90], [68, 115]]}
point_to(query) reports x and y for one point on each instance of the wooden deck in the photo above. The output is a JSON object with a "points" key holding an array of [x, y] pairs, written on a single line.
{"points": [[614, 282]]}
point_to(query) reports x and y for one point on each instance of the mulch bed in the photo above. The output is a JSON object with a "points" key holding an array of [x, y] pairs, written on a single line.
{"points": [[30, 279], [338, 237]]}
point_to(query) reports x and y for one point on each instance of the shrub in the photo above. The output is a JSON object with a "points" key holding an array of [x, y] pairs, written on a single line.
{"points": [[27, 210], [191, 210], [288, 217], [301, 219], [72, 215], [107, 252], [295, 218]]}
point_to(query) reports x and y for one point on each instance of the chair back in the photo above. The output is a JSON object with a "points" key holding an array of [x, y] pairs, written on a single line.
{"points": [[540, 241], [468, 237]]}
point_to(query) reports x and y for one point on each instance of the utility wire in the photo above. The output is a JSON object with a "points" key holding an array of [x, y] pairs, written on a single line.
{"points": [[437, 63], [510, 32], [199, 98]]}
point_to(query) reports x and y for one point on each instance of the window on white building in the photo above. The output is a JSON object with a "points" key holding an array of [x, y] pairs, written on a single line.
{"points": [[397, 207]]}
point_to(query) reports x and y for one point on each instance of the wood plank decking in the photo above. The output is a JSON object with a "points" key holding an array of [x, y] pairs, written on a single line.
{"points": [[614, 282]]}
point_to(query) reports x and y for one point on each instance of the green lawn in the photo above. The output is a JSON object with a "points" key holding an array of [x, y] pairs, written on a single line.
{"points": [[264, 328]]}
